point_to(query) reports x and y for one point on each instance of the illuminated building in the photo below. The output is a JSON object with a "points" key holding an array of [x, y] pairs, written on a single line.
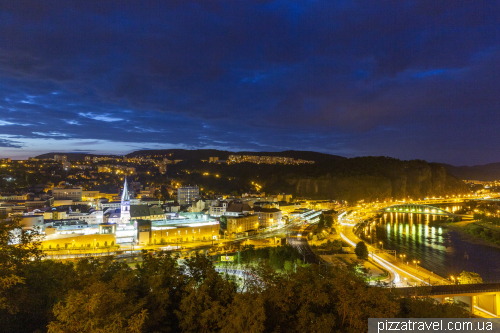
{"points": [[125, 204], [237, 225], [186, 195], [72, 193], [268, 217]]}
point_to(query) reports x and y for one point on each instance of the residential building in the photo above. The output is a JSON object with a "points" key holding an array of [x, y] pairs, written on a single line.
{"points": [[72, 193], [218, 210], [284, 197], [236, 209], [241, 223], [186, 195], [268, 217], [144, 212], [287, 208]]}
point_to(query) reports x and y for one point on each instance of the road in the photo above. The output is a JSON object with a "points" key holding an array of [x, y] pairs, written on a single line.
{"points": [[296, 238], [402, 275]]}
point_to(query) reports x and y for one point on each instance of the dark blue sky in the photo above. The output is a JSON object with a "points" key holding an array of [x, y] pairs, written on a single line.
{"points": [[408, 79]]}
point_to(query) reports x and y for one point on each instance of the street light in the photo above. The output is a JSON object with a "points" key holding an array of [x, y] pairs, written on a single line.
{"points": [[382, 244]]}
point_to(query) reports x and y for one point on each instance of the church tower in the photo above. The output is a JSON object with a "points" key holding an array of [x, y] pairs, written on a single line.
{"points": [[125, 204]]}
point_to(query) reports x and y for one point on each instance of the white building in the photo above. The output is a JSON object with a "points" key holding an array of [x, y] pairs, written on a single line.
{"points": [[125, 204]]}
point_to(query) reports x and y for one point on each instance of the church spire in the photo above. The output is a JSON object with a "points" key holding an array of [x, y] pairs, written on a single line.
{"points": [[125, 195]]}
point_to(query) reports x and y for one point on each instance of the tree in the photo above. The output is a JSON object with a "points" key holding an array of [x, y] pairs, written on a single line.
{"points": [[18, 249], [470, 278], [321, 223], [101, 307], [328, 221], [361, 250]]}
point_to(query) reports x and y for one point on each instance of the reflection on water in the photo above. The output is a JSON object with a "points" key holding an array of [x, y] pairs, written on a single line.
{"points": [[440, 250]]}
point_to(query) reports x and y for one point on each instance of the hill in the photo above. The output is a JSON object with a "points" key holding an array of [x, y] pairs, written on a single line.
{"points": [[477, 172], [204, 154], [71, 156], [352, 179], [330, 177]]}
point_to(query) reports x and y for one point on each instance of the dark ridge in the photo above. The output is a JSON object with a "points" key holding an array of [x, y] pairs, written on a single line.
{"points": [[485, 172], [184, 154]]}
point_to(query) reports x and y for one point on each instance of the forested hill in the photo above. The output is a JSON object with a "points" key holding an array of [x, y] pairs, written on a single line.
{"points": [[330, 177], [71, 156], [477, 172], [368, 178], [204, 154]]}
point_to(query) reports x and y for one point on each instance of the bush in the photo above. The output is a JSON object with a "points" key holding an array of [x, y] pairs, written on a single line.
{"points": [[486, 233]]}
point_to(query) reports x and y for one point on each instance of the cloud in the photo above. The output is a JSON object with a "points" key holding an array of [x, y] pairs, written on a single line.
{"points": [[100, 117], [321, 75], [53, 134]]}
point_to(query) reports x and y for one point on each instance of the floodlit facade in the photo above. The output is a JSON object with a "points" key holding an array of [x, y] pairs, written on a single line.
{"points": [[242, 223], [125, 204], [268, 217]]}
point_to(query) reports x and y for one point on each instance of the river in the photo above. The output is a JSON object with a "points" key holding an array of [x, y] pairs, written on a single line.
{"points": [[440, 250]]}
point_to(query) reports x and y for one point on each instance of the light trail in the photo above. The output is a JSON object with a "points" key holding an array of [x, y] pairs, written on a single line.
{"points": [[397, 278], [386, 264], [487, 312]]}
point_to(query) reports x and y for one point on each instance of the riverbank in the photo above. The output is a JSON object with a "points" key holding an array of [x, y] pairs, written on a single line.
{"points": [[462, 227]]}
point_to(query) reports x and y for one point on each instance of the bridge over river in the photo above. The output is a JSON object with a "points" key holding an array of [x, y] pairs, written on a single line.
{"points": [[412, 208], [484, 297]]}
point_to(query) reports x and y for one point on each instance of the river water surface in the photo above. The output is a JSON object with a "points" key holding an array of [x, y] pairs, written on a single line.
{"points": [[440, 250]]}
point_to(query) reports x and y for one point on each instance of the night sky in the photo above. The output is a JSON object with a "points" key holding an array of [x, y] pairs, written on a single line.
{"points": [[407, 79]]}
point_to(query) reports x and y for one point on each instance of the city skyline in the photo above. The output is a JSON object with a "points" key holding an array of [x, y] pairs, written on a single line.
{"points": [[410, 80]]}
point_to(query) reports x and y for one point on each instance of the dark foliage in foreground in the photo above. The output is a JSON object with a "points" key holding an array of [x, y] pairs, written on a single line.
{"points": [[161, 296]]}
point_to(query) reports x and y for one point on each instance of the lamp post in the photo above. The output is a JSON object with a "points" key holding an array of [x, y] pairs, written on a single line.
{"points": [[402, 256], [381, 244]]}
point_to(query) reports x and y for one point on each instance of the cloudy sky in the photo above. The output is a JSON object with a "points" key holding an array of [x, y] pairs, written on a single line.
{"points": [[407, 79]]}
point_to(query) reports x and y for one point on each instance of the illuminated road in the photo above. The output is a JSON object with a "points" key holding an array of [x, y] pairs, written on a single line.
{"points": [[402, 275], [298, 241]]}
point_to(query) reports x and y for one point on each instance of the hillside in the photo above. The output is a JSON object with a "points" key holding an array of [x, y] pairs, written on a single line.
{"points": [[368, 178], [204, 154], [477, 172], [330, 177], [71, 156]]}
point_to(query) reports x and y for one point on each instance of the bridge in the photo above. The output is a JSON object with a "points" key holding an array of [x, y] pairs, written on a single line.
{"points": [[411, 208], [484, 297]]}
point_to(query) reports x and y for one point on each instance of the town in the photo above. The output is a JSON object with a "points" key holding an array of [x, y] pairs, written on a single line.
{"points": [[74, 214]]}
